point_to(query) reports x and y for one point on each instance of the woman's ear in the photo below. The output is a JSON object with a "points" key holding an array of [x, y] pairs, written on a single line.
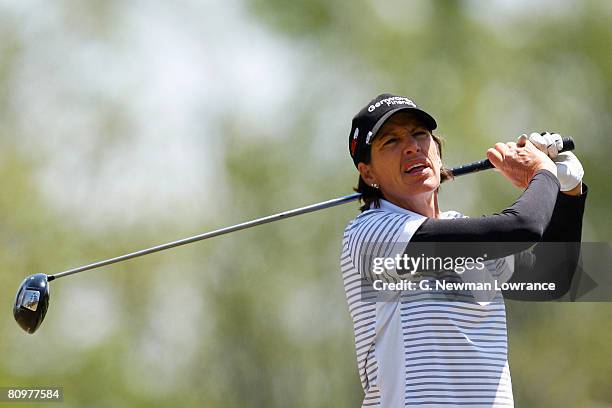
{"points": [[365, 170]]}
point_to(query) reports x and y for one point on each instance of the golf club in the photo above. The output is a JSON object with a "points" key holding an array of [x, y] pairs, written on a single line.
{"points": [[32, 299]]}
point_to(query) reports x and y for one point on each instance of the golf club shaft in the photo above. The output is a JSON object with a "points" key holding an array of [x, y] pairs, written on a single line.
{"points": [[568, 144], [248, 224]]}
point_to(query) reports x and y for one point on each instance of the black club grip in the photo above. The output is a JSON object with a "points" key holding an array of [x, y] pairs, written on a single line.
{"points": [[568, 144]]}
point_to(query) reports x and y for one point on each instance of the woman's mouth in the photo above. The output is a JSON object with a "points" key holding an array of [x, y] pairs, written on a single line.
{"points": [[416, 169]]}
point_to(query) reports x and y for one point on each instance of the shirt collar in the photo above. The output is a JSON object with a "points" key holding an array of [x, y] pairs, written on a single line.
{"points": [[388, 206]]}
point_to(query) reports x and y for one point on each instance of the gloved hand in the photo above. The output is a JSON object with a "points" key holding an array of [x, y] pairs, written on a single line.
{"points": [[569, 168], [549, 143]]}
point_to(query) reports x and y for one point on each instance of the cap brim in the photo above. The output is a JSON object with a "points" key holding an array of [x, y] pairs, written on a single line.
{"points": [[428, 120]]}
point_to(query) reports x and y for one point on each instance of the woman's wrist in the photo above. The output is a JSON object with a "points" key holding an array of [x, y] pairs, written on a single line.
{"points": [[549, 165], [576, 191]]}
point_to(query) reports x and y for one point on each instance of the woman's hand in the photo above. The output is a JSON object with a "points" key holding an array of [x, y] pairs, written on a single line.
{"points": [[569, 169], [519, 162]]}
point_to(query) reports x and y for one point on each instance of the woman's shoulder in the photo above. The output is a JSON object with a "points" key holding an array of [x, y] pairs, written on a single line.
{"points": [[379, 218], [366, 216]]}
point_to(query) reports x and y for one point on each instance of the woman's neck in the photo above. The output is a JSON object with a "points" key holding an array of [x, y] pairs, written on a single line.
{"points": [[425, 204]]}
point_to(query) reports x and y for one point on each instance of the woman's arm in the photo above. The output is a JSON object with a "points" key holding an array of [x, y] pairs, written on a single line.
{"points": [[524, 221], [527, 221], [554, 259], [524, 166]]}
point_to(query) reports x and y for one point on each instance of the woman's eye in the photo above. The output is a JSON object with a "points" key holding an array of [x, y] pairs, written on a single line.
{"points": [[420, 134], [389, 141]]}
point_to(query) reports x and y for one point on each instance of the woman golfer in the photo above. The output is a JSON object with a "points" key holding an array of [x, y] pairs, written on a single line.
{"points": [[414, 350]]}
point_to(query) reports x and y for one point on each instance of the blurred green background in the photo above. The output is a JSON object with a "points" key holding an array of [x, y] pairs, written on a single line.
{"points": [[128, 124]]}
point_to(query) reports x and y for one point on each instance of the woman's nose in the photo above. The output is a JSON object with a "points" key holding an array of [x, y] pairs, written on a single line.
{"points": [[410, 146]]}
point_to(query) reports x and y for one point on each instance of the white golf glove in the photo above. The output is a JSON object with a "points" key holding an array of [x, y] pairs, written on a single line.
{"points": [[569, 170], [549, 143]]}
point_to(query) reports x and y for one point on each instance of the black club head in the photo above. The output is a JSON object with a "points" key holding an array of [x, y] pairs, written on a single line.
{"points": [[32, 302]]}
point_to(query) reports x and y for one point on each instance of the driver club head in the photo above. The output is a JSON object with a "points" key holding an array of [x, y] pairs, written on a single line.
{"points": [[32, 302]]}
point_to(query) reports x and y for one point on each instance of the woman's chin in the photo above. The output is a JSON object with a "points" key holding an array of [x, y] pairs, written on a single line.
{"points": [[425, 188], [424, 184]]}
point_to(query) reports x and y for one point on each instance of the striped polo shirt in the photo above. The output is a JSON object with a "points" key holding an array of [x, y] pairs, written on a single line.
{"points": [[415, 350]]}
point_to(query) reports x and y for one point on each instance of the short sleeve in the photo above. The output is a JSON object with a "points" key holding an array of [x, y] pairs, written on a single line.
{"points": [[379, 234]]}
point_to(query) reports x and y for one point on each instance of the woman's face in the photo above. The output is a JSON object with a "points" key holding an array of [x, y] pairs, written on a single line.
{"points": [[404, 161]]}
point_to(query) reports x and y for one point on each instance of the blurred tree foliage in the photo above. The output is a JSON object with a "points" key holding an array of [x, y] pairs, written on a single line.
{"points": [[259, 318]]}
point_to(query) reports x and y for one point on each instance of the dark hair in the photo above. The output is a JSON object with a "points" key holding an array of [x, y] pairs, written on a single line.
{"points": [[371, 195]]}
